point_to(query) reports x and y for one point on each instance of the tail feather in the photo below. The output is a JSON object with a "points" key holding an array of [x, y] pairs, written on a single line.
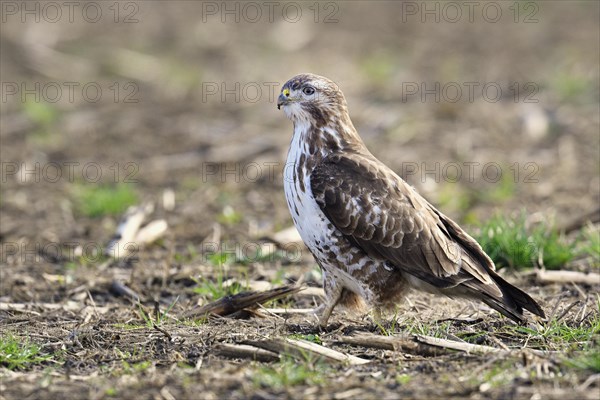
{"points": [[512, 302], [522, 299]]}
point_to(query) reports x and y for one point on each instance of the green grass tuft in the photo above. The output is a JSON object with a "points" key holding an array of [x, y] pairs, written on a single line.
{"points": [[561, 335], [100, 200], [216, 289], [290, 372], [309, 338], [158, 317], [511, 242], [18, 354]]}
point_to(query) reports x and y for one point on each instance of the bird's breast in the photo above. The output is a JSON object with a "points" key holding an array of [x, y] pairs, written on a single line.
{"points": [[314, 227]]}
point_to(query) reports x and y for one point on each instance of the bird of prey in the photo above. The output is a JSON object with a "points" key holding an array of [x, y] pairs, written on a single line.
{"points": [[371, 233]]}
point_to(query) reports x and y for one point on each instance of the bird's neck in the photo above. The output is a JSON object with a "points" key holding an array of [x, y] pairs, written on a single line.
{"points": [[337, 135]]}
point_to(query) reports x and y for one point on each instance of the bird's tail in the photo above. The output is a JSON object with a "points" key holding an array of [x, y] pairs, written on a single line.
{"points": [[512, 302]]}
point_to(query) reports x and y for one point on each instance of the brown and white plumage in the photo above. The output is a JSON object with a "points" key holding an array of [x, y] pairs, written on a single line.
{"points": [[372, 234]]}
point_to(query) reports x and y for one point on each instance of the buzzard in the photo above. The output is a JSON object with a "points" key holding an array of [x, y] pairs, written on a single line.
{"points": [[371, 233]]}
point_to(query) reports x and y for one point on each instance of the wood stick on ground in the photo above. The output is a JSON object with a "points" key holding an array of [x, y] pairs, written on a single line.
{"points": [[460, 346], [590, 278], [427, 345], [290, 310], [300, 348], [406, 344], [245, 351]]}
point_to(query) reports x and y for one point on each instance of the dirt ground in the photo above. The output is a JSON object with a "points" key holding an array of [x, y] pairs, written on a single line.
{"points": [[177, 101]]}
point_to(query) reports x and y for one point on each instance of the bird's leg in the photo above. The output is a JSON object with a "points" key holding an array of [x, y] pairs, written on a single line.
{"points": [[324, 317], [333, 293]]}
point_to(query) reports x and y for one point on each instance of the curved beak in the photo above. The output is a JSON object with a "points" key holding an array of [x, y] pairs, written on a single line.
{"points": [[284, 98]]}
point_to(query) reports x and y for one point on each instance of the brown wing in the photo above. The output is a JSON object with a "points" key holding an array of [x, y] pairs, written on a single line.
{"points": [[390, 221]]}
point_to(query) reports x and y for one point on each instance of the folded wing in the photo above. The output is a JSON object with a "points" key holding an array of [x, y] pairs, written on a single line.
{"points": [[390, 221]]}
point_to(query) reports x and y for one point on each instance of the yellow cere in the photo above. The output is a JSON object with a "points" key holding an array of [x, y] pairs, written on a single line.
{"points": [[286, 92]]}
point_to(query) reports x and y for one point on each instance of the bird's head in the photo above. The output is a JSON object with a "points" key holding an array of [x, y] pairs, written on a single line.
{"points": [[312, 99]]}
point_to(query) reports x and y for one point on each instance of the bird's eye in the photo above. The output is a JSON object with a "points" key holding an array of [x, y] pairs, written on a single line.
{"points": [[309, 90]]}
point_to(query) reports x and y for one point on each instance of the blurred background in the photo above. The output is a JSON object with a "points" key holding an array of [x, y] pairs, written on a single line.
{"points": [[490, 109], [486, 107]]}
